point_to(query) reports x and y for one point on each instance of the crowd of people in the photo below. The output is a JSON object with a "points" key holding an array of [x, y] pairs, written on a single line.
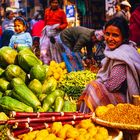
{"points": [[49, 37]]}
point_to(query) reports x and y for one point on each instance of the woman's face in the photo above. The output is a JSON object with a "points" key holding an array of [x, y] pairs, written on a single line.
{"points": [[117, 8], [113, 37], [54, 4]]}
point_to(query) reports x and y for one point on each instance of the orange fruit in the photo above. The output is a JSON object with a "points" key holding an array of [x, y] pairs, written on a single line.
{"points": [[56, 75], [52, 63], [59, 70], [62, 65]]}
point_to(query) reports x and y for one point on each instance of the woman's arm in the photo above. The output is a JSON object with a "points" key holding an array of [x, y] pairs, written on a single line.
{"points": [[64, 22], [116, 78]]}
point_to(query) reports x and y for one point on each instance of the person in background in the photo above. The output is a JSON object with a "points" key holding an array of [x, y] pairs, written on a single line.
{"points": [[134, 26], [0, 32], [55, 15], [117, 7], [0, 27], [21, 38], [74, 39], [8, 23], [35, 47], [125, 10], [34, 19], [6, 36], [7, 28], [55, 21], [22, 14], [119, 77], [38, 26]]}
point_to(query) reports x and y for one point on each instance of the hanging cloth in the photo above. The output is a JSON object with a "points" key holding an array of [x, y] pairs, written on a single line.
{"points": [[81, 6]]}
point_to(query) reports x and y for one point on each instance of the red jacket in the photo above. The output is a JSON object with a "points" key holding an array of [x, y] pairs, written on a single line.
{"points": [[0, 30], [37, 28], [134, 26], [52, 17]]}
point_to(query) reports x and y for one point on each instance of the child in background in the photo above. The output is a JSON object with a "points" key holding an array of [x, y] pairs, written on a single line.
{"points": [[21, 38], [35, 47]]}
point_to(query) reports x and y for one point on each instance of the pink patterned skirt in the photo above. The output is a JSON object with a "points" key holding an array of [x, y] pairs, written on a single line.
{"points": [[96, 94]]}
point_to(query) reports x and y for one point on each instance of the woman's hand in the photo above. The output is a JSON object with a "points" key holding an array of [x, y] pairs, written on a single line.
{"points": [[58, 28]]}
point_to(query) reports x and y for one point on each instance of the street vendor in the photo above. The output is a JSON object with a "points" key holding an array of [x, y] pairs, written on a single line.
{"points": [[73, 39], [55, 21], [119, 77]]}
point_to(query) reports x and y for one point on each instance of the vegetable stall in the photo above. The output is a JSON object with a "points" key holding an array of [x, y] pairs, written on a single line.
{"points": [[39, 101]]}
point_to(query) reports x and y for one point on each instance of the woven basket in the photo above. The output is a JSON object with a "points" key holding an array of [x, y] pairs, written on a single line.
{"points": [[127, 127]]}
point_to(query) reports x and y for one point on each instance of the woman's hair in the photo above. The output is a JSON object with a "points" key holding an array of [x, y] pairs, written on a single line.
{"points": [[22, 20], [50, 1], [117, 3], [122, 24]]}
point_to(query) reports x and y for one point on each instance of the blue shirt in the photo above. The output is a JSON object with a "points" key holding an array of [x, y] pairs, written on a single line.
{"points": [[22, 39]]}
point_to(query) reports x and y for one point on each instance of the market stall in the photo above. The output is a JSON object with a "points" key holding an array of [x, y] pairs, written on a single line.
{"points": [[40, 101]]}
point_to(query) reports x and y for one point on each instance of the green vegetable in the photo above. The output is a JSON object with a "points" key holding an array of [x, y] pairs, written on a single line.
{"points": [[46, 69], [69, 106], [58, 92], [66, 106], [3, 116], [49, 85], [38, 72], [50, 110], [1, 72], [36, 87], [13, 71], [19, 48], [27, 59], [1, 94], [18, 97], [8, 93], [7, 56], [17, 81], [58, 105], [26, 95], [48, 101], [74, 82], [4, 85], [14, 105], [42, 96]]}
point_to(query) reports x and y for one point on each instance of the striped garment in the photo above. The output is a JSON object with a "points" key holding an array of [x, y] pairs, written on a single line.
{"points": [[48, 50], [97, 94]]}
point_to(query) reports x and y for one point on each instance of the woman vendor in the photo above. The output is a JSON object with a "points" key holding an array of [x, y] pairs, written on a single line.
{"points": [[55, 21], [119, 77]]}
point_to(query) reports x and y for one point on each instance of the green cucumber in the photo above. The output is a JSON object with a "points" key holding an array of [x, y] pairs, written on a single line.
{"points": [[58, 105], [12, 104]]}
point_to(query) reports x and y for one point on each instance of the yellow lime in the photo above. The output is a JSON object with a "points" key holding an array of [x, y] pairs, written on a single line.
{"points": [[56, 75], [52, 63], [62, 65]]}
